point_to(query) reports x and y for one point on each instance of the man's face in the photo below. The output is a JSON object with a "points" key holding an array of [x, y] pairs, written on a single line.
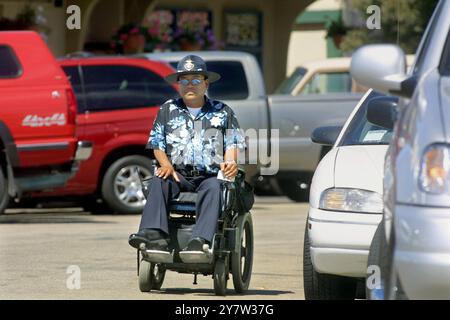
{"points": [[192, 91]]}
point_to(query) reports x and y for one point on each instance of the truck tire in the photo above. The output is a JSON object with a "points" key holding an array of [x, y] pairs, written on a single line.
{"points": [[121, 187], [291, 189], [4, 196], [320, 286]]}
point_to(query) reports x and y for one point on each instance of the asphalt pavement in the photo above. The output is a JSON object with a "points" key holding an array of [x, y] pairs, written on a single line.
{"points": [[66, 253]]}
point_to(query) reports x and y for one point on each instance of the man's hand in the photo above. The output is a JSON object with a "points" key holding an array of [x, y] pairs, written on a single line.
{"points": [[229, 169], [167, 171]]}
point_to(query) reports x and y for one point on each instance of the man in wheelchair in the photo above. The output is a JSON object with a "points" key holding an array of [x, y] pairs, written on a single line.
{"points": [[193, 138]]}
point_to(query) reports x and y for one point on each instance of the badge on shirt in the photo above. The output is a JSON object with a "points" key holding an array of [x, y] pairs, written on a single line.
{"points": [[215, 121]]}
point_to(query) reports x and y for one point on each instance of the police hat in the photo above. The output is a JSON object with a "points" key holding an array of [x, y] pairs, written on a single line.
{"points": [[192, 64]]}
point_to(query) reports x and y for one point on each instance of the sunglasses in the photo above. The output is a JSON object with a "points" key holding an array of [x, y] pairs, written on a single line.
{"points": [[194, 82]]}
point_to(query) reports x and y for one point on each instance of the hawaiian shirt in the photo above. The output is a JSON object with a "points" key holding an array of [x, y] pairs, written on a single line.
{"points": [[199, 141]]}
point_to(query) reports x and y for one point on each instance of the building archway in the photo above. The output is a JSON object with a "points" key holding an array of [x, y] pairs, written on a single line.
{"points": [[101, 19]]}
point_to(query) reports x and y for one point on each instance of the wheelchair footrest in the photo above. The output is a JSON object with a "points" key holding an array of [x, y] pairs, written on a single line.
{"points": [[196, 257], [157, 256]]}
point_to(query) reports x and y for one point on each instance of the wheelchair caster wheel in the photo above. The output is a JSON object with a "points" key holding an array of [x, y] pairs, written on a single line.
{"points": [[151, 276], [220, 277]]}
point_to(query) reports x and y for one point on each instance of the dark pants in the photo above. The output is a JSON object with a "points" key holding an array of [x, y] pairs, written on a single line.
{"points": [[161, 192]]}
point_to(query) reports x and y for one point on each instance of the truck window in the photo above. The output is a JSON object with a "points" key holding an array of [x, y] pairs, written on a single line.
{"points": [[112, 87], [9, 64], [322, 83], [288, 85], [232, 84]]}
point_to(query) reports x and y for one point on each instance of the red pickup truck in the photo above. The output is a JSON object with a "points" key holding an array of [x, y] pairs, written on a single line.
{"points": [[39, 149], [118, 99]]}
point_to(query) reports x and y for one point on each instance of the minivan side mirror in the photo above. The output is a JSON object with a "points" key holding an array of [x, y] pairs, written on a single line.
{"points": [[383, 68], [326, 135], [382, 111]]}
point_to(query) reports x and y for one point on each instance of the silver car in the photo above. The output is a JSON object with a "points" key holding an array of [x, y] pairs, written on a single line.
{"points": [[411, 249]]}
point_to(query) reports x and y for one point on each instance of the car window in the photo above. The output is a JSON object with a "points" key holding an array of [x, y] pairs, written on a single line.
{"points": [[444, 67], [361, 132], [74, 77], [332, 82], [9, 64], [232, 84], [112, 87], [289, 84]]}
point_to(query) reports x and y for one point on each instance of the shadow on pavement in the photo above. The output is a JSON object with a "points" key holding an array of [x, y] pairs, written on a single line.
{"points": [[37, 216], [230, 292]]}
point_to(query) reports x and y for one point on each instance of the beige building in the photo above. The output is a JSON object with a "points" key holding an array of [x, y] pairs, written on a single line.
{"points": [[308, 40], [101, 18]]}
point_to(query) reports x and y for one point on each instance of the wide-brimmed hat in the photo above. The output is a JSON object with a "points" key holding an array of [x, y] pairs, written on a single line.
{"points": [[192, 64]]}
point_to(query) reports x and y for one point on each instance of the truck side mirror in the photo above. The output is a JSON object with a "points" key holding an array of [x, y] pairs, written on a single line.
{"points": [[326, 135], [382, 111]]}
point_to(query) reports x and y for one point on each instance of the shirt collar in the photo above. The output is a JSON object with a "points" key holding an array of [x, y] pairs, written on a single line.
{"points": [[205, 108]]}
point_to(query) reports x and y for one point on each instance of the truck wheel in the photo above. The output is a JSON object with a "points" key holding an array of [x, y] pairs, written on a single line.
{"points": [[319, 286], [95, 207], [121, 186], [292, 188], [4, 196]]}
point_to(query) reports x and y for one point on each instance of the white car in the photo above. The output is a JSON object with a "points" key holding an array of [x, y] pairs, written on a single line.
{"points": [[346, 203]]}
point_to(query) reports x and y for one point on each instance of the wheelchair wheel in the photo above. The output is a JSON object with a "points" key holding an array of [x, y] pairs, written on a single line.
{"points": [[242, 261], [220, 277], [158, 273], [151, 276]]}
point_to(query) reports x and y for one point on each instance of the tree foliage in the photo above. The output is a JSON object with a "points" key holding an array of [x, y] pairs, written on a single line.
{"points": [[403, 22]]}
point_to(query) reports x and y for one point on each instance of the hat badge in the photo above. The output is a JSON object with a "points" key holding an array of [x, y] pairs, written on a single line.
{"points": [[189, 65]]}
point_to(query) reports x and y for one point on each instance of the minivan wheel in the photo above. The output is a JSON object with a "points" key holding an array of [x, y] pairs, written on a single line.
{"points": [[319, 286], [382, 282], [121, 186], [4, 196]]}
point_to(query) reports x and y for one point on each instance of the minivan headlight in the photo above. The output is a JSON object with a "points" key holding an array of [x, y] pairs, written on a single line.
{"points": [[434, 169], [352, 200]]}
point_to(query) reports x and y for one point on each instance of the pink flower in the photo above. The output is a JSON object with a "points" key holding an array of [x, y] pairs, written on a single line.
{"points": [[123, 37], [153, 31], [134, 31]]}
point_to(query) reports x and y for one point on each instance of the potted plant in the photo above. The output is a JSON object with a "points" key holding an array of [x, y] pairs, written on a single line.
{"points": [[336, 30], [129, 39]]}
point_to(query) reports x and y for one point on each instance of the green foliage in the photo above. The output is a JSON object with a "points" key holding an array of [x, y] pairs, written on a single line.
{"points": [[401, 20]]}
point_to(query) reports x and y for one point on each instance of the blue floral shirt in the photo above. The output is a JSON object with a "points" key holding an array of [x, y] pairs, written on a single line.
{"points": [[200, 141]]}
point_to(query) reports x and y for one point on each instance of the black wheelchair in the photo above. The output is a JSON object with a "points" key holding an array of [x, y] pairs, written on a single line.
{"points": [[231, 250]]}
